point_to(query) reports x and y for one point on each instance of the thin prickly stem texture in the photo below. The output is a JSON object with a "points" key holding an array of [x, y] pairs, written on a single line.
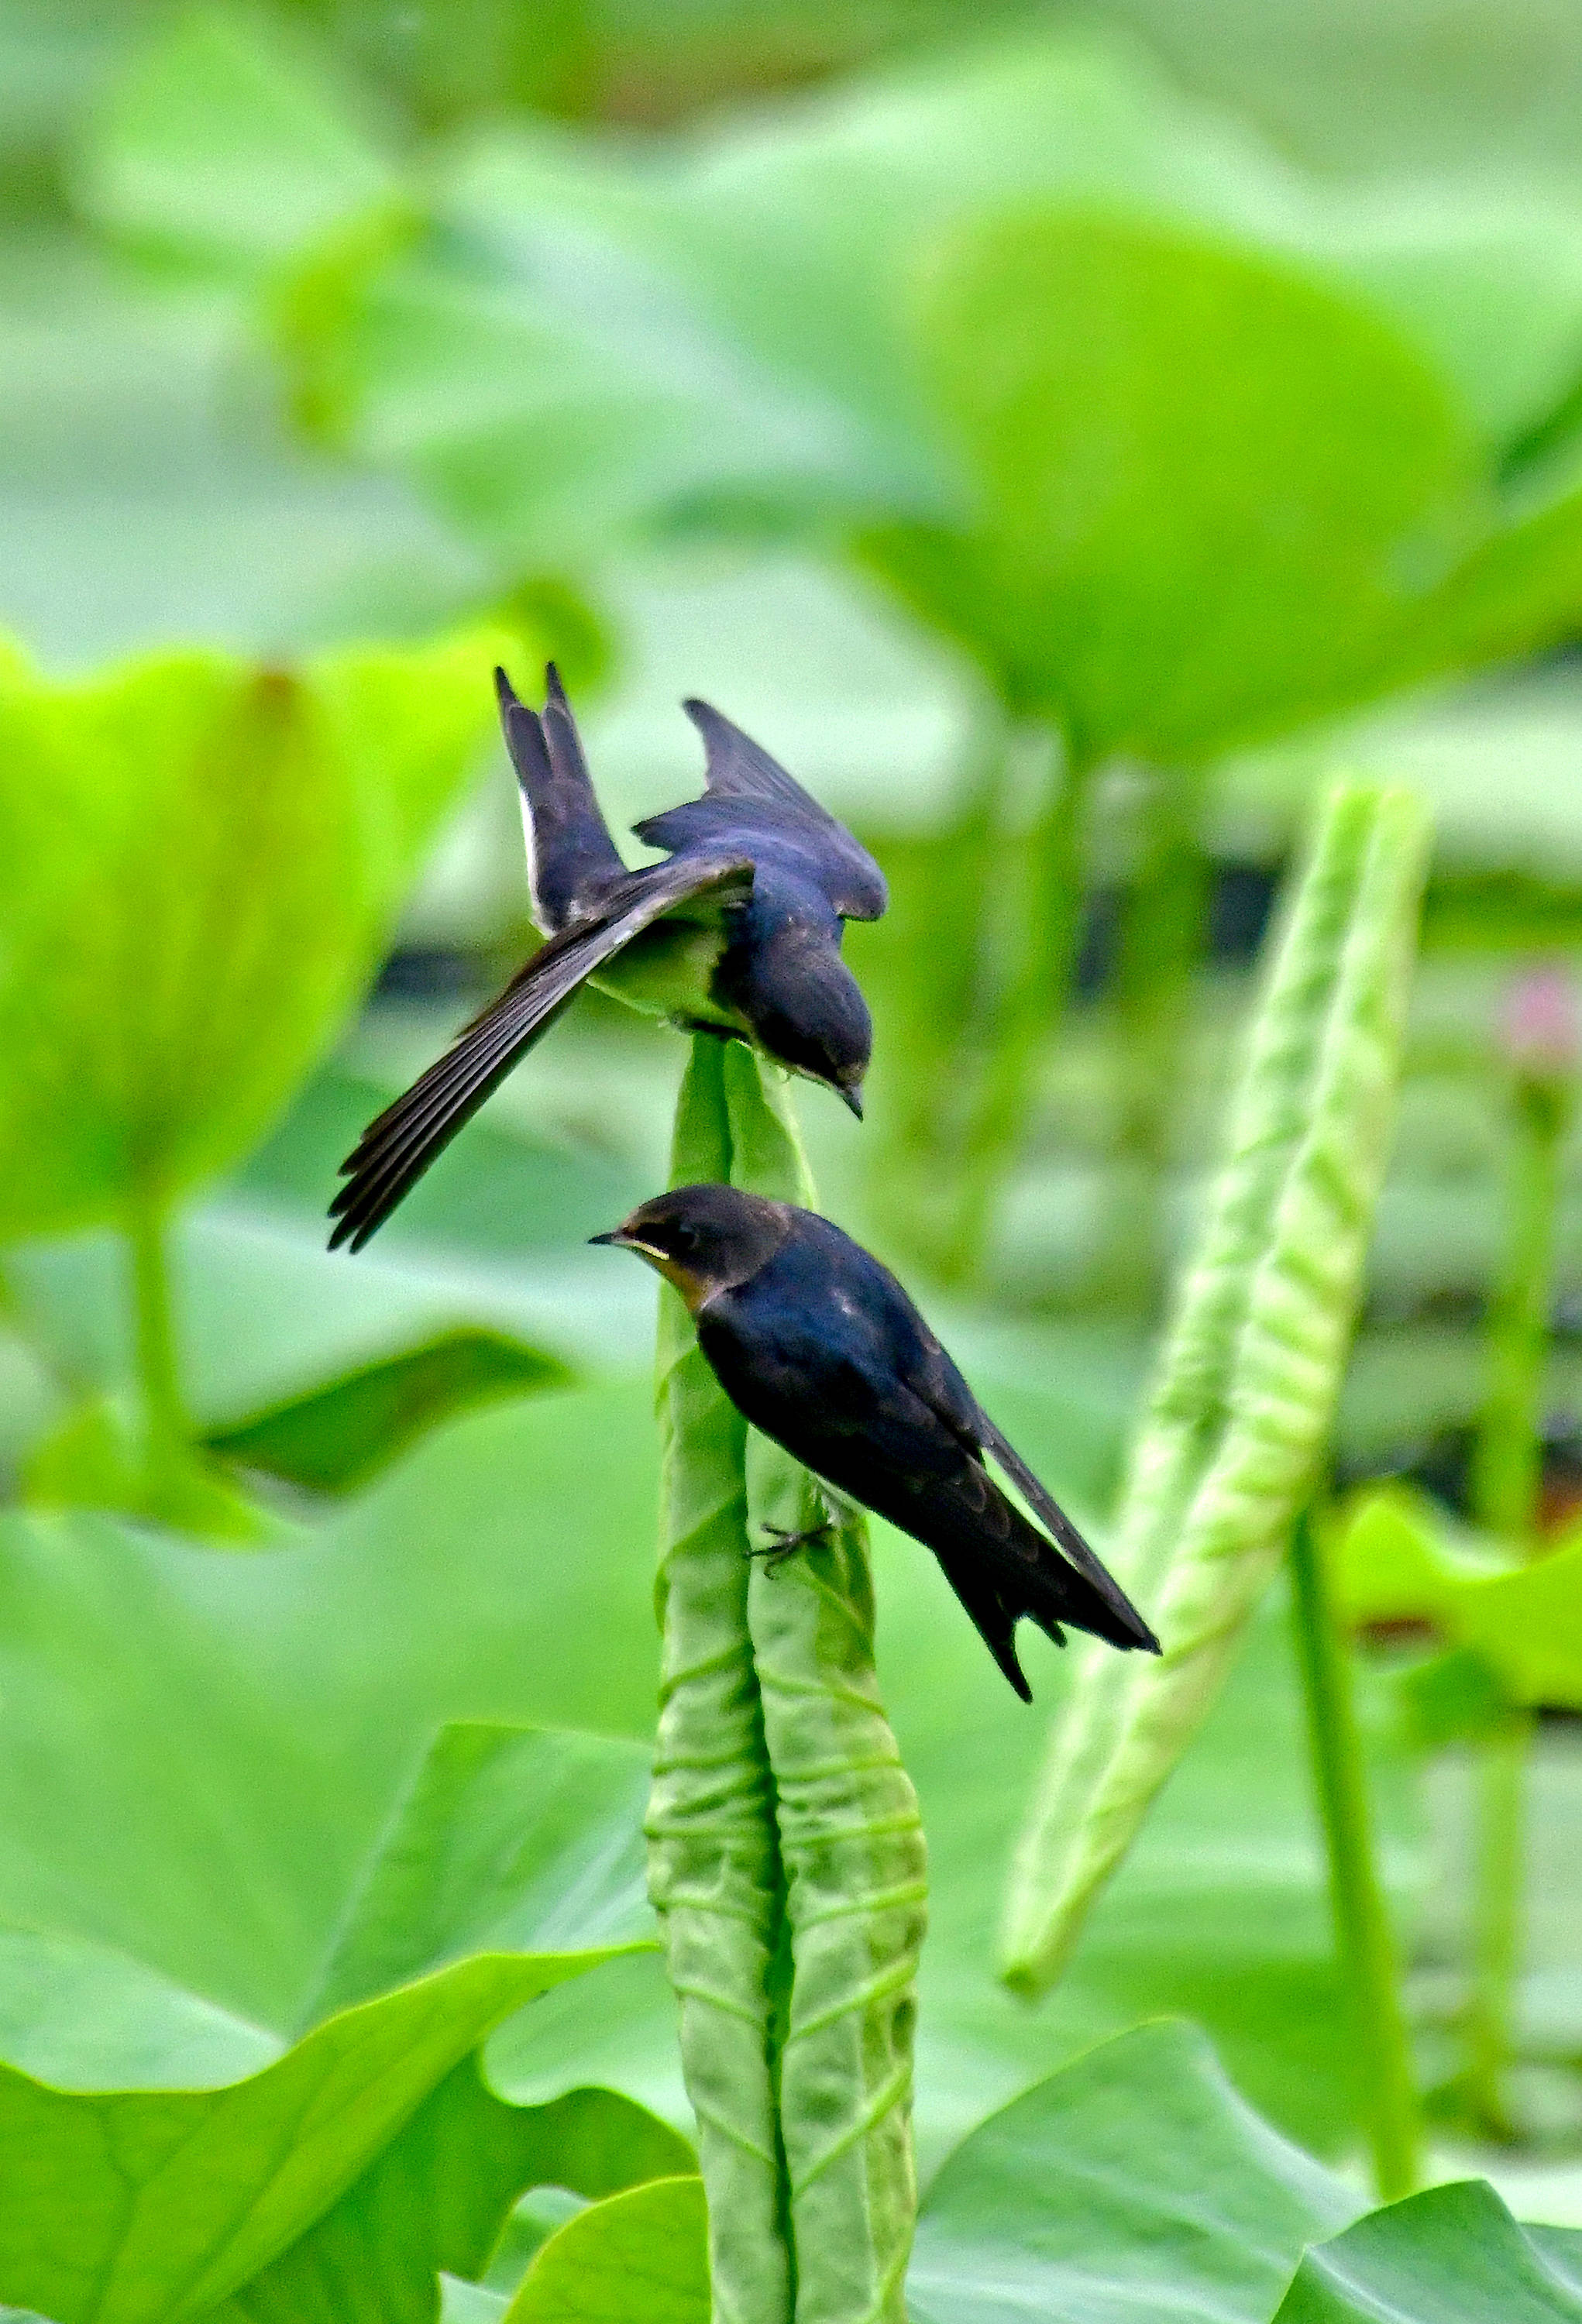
{"points": [[714, 1858], [1246, 1390], [851, 1845]]}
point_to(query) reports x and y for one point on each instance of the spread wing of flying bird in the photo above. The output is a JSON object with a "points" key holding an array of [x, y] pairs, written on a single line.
{"points": [[395, 1151], [747, 790]]}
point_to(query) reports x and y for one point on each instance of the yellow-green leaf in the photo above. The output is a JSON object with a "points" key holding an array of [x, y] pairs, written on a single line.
{"points": [[197, 861]]}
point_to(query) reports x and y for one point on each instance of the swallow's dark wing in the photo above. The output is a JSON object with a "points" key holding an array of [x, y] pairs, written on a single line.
{"points": [[395, 1151], [930, 1375], [748, 791], [572, 863], [1045, 1507], [999, 1566]]}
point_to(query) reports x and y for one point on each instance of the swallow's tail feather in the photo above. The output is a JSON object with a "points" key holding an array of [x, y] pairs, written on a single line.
{"points": [[1125, 1626], [1003, 1569], [572, 860], [993, 1621]]}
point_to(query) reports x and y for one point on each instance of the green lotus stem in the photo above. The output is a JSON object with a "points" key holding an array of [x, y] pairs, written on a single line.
{"points": [[1368, 1959], [1507, 1470], [924, 974], [1161, 944], [1498, 1865], [167, 1429], [1050, 923], [1508, 1454], [786, 1854]]}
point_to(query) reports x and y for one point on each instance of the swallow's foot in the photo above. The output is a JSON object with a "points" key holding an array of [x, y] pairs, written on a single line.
{"points": [[786, 1545]]}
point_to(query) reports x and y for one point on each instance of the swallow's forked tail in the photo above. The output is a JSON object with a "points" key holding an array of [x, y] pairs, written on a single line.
{"points": [[572, 862]]}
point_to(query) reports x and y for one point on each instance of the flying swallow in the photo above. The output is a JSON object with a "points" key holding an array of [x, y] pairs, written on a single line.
{"points": [[738, 932], [818, 1346]]}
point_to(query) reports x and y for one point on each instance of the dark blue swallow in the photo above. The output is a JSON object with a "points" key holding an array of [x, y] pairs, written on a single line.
{"points": [[737, 933], [819, 1347]]}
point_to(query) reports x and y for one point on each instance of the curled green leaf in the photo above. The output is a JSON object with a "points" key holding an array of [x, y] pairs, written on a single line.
{"points": [[787, 1856], [1241, 1403]]}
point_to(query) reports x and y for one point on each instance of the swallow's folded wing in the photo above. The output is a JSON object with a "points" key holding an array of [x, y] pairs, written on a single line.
{"points": [[1048, 1510], [934, 1378], [395, 1151], [748, 792]]}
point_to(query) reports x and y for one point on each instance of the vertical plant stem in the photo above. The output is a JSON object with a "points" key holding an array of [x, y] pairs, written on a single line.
{"points": [[714, 1867], [1161, 943], [1051, 921], [1507, 1458], [166, 1428], [1367, 1947], [1507, 1468], [924, 974], [785, 1853], [1500, 1810], [851, 1846]]}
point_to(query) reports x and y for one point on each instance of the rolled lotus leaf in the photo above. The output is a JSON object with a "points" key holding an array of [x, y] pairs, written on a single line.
{"points": [[1241, 1403], [786, 1854]]}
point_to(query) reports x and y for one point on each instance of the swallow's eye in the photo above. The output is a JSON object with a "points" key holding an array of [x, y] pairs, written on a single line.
{"points": [[684, 1242]]}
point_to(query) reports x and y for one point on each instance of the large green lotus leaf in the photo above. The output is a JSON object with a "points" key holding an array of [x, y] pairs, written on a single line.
{"points": [[201, 1757], [1518, 587], [198, 861], [83, 2018], [512, 1839], [437, 2196], [1396, 1560], [1134, 2184], [1207, 486], [1453, 2255], [556, 392], [641, 2254], [228, 145], [800, 229], [200, 1753], [159, 2205]]}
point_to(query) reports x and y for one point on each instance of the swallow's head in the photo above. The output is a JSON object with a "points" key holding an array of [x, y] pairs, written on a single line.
{"points": [[703, 1239], [807, 1009]]}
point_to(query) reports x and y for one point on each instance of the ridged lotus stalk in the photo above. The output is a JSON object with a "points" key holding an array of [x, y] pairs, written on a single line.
{"points": [[1234, 1434], [786, 1855]]}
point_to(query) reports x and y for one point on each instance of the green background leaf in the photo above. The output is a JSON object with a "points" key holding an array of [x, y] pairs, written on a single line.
{"points": [[640, 2254], [199, 861], [339, 1436], [1136, 2184], [510, 1840], [1453, 2255], [158, 2206], [1208, 489]]}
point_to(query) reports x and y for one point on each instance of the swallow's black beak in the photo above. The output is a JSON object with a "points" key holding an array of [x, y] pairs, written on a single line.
{"points": [[616, 1235], [851, 1093]]}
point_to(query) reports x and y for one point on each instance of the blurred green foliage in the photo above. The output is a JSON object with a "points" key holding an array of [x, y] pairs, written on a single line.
{"points": [[1062, 439]]}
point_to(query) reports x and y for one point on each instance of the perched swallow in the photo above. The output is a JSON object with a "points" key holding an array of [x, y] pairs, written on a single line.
{"points": [[819, 1347], [738, 932]]}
